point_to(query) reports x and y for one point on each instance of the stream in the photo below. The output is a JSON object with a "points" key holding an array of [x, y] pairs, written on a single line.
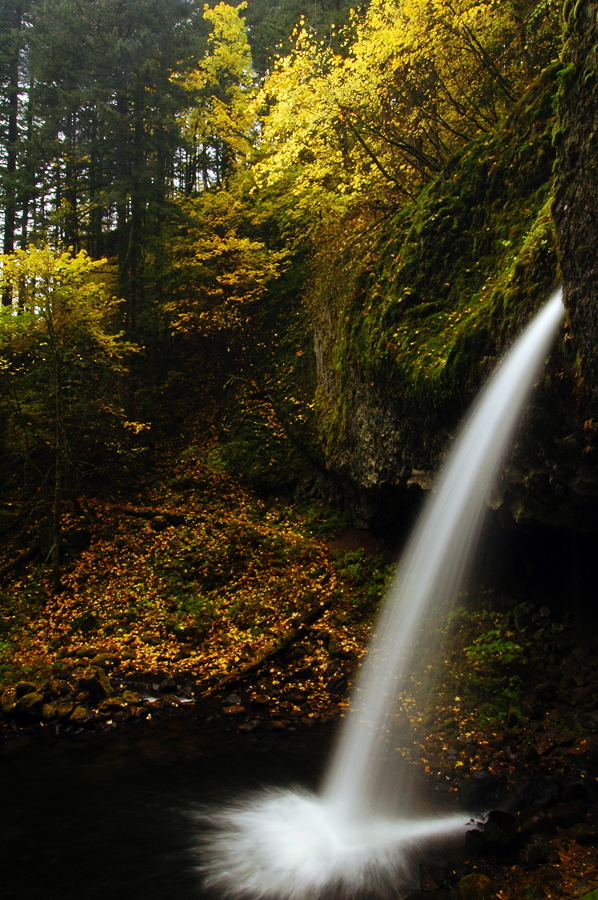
{"points": [[107, 817]]}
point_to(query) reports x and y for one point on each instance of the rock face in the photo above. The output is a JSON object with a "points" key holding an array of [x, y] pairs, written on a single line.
{"points": [[384, 440], [575, 209]]}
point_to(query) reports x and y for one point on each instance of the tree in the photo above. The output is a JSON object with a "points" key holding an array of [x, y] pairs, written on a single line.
{"points": [[418, 80], [221, 121], [59, 364]]}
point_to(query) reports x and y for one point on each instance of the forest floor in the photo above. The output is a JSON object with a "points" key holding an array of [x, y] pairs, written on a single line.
{"points": [[189, 588]]}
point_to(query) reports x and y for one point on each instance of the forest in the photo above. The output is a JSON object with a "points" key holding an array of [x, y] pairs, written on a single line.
{"points": [[257, 262]]}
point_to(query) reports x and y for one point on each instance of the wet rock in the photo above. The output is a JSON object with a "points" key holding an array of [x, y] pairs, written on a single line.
{"points": [[151, 639], [82, 698], [475, 887], [104, 660], [249, 726], [85, 652], [501, 831], [132, 697], [474, 842], [50, 711], [29, 708], [167, 686], [81, 717], [24, 687], [261, 701], [8, 701], [50, 690], [278, 725], [94, 680], [112, 705], [64, 709]]}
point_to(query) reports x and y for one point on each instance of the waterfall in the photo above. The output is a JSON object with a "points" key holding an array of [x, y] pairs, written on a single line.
{"points": [[359, 830]]}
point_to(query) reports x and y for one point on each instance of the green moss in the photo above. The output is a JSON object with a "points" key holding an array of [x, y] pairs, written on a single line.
{"points": [[424, 307]]}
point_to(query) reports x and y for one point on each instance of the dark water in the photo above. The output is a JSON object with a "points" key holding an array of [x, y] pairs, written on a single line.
{"points": [[108, 817]]}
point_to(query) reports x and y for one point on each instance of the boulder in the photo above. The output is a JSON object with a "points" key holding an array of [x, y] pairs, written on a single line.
{"points": [[24, 687], [64, 708], [113, 705], [132, 697], [501, 830], [94, 680], [8, 701], [475, 887], [104, 660], [29, 708], [81, 717]]}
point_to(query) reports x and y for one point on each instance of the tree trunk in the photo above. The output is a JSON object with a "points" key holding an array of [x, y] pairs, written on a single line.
{"points": [[10, 186]]}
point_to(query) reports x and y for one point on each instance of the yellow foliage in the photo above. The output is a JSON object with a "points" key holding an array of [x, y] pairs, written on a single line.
{"points": [[420, 79], [220, 124], [220, 271]]}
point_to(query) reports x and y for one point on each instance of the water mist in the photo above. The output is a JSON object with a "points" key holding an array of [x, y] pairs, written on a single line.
{"points": [[359, 830]]}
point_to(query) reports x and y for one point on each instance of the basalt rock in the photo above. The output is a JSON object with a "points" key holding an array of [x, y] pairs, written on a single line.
{"points": [[94, 680], [29, 708]]}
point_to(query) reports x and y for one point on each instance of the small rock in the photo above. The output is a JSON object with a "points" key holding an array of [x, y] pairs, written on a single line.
{"points": [[167, 686], [235, 710], [259, 700], [232, 700], [249, 726], [278, 725]]}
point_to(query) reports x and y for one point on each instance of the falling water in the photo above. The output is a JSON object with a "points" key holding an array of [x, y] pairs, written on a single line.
{"points": [[359, 830]]}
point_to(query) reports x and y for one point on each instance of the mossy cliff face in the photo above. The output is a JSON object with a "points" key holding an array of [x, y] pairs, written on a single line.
{"points": [[576, 195], [412, 317]]}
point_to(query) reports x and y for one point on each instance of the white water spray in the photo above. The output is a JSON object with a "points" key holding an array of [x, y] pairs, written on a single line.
{"points": [[359, 832]]}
